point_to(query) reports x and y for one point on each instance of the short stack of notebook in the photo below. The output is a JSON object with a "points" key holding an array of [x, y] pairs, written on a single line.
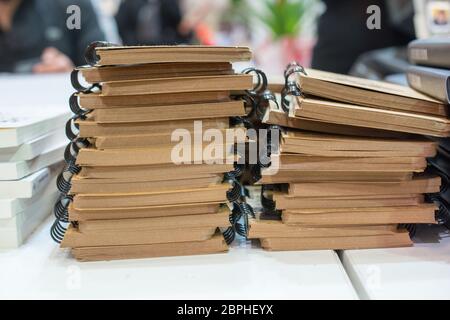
{"points": [[341, 180], [32, 144], [135, 192], [430, 74], [329, 102]]}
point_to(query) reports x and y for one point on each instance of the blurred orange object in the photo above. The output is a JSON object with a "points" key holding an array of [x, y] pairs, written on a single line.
{"points": [[204, 34]]}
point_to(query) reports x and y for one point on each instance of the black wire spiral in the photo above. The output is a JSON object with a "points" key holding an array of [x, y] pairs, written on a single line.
{"points": [[442, 215], [90, 55], [411, 228], [71, 151], [255, 101], [271, 147], [241, 211], [291, 87], [443, 212], [61, 214], [261, 81], [63, 184]]}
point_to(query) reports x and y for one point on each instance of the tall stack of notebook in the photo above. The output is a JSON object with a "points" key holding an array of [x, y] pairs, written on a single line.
{"points": [[31, 152], [430, 74], [347, 173], [131, 190]]}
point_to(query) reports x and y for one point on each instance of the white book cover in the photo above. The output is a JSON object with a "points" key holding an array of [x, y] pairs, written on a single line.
{"points": [[41, 109], [19, 169], [14, 231], [12, 206], [33, 148], [21, 124], [25, 187]]}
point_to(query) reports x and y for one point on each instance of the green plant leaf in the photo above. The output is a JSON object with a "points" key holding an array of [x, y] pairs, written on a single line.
{"points": [[283, 17]]}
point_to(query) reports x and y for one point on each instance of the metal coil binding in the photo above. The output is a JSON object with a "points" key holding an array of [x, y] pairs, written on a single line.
{"points": [[229, 235], [236, 173], [442, 215], [261, 83], [75, 81], [434, 168], [291, 88], [265, 99], [63, 181], [234, 194], [254, 100], [411, 228], [268, 205], [90, 55], [247, 209], [61, 214], [241, 212], [271, 147], [71, 125]]}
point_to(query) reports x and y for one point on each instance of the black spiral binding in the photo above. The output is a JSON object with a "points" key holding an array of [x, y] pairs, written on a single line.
{"points": [[90, 55], [291, 88], [440, 198], [267, 203], [237, 195], [76, 143], [63, 182], [411, 228]]}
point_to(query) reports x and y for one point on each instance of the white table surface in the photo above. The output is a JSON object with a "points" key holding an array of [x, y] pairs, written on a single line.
{"points": [[39, 269], [419, 272]]}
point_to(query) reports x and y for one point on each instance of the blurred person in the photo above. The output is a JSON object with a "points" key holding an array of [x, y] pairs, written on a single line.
{"points": [[343, 35], [151, 22], [34, 36], [203, 19]]}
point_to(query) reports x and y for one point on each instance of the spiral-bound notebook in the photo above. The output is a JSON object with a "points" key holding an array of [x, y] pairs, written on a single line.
{"points": [[155, 70], [123, 195], [113, 130], [334, 103], [116, 55], [364, 92], [96, 100], [354, 146], [275, 115], [354, 115]]}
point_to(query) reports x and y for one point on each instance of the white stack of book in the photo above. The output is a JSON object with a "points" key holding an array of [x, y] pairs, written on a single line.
{"points": [[32, 143]]}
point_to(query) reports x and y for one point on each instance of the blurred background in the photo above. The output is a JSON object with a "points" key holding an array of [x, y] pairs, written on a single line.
{"points": [[360, 37]]}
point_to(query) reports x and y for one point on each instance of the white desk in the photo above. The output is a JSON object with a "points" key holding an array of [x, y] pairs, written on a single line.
{"points": [[40, 270], [419, 272]]}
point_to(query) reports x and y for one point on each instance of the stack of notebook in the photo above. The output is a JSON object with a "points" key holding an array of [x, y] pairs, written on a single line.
{"points": [[343, 104], [31, 151], [132, 190], [336, 179], [430, 75]]}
